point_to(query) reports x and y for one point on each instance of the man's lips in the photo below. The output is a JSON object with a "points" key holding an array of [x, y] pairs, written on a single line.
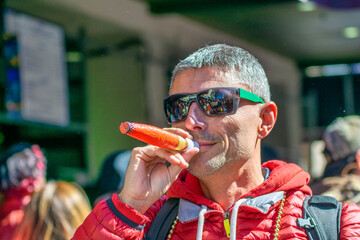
{"points": [[203, 144]]}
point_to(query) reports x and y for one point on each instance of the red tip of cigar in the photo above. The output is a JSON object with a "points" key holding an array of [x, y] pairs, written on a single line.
{"points": [[125, 127]]}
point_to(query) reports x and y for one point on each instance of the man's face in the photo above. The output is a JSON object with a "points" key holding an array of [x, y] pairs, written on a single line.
{"points": [[222, 139]]}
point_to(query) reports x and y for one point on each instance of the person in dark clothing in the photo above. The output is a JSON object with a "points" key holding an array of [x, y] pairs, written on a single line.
{"points": [[112, 176]]}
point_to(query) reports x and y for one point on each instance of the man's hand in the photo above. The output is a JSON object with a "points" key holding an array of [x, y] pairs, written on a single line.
{"points": [[148, 177]]}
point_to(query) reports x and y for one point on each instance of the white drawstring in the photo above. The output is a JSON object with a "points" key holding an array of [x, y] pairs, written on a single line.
{"points": [[233, 219], [201, 222]]}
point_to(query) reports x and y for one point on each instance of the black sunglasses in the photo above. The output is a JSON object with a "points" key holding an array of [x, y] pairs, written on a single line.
{"points": [[212, 102]]}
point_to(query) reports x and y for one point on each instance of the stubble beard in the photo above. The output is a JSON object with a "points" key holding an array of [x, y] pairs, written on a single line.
{"points": [[201, 167]]}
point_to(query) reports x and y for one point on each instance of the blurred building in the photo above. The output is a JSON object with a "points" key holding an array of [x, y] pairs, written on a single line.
{"points": [[119, 56]]}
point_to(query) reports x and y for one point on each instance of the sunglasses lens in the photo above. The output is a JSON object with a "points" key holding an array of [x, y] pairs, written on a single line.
{"points": [[215, 102], [176, 108]]}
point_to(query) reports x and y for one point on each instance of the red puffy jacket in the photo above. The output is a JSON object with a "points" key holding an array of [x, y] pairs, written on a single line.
{"points": [[256, 217]]}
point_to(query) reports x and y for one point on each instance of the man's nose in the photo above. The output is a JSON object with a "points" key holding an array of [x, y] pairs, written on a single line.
{"points": [[196, 119]]}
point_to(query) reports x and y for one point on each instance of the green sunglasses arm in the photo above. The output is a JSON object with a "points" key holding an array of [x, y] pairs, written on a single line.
{"points": [[250, 96]]}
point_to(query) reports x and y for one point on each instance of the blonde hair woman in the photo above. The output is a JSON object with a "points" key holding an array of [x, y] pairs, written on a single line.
{"points": [[55, 212]]}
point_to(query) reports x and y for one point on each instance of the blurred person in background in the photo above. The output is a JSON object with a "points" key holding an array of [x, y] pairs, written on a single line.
{"points": [[54, 212], [22, 172], [112, 175], [341, 177]]}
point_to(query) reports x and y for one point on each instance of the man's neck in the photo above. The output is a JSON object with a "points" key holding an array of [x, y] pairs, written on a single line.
{"points": [[228, 184]]}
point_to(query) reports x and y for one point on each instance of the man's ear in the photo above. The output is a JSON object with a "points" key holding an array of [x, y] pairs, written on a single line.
{"points": [[357, 158], [268, 117]]}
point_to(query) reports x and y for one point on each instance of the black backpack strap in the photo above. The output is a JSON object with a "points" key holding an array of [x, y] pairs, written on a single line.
{"points": [[160, 227], [321, 218]]}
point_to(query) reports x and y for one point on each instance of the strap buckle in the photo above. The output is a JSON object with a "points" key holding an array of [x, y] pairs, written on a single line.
{"points": [[306, 223]]}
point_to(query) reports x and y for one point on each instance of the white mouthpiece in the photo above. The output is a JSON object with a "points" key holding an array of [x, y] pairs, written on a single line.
{"points": [[191, 144]]}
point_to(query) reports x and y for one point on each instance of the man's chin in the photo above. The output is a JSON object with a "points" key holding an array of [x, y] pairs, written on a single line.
{"points": [[201, 167]]}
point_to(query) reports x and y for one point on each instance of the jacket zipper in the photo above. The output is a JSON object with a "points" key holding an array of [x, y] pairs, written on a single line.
{"points": [[227, 223]]}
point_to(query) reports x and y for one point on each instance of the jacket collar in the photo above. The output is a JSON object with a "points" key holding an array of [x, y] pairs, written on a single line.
{"points": [[189, 211]]}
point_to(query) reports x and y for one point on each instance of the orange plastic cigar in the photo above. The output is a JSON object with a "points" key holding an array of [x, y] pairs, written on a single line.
{"points": [[156, 136]]}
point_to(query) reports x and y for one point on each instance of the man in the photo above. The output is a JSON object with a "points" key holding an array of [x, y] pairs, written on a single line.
{"points": [[219, 97], [341, 178]]}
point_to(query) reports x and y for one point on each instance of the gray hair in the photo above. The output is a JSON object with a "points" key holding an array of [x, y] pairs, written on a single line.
{"points": [[246, 68]]}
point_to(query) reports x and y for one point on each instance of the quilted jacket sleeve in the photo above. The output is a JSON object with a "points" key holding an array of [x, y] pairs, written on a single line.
{"points": [[114, 220], [350, 222]]}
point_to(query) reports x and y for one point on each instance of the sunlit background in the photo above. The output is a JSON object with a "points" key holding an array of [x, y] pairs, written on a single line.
{"points": [[73, 70]]}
